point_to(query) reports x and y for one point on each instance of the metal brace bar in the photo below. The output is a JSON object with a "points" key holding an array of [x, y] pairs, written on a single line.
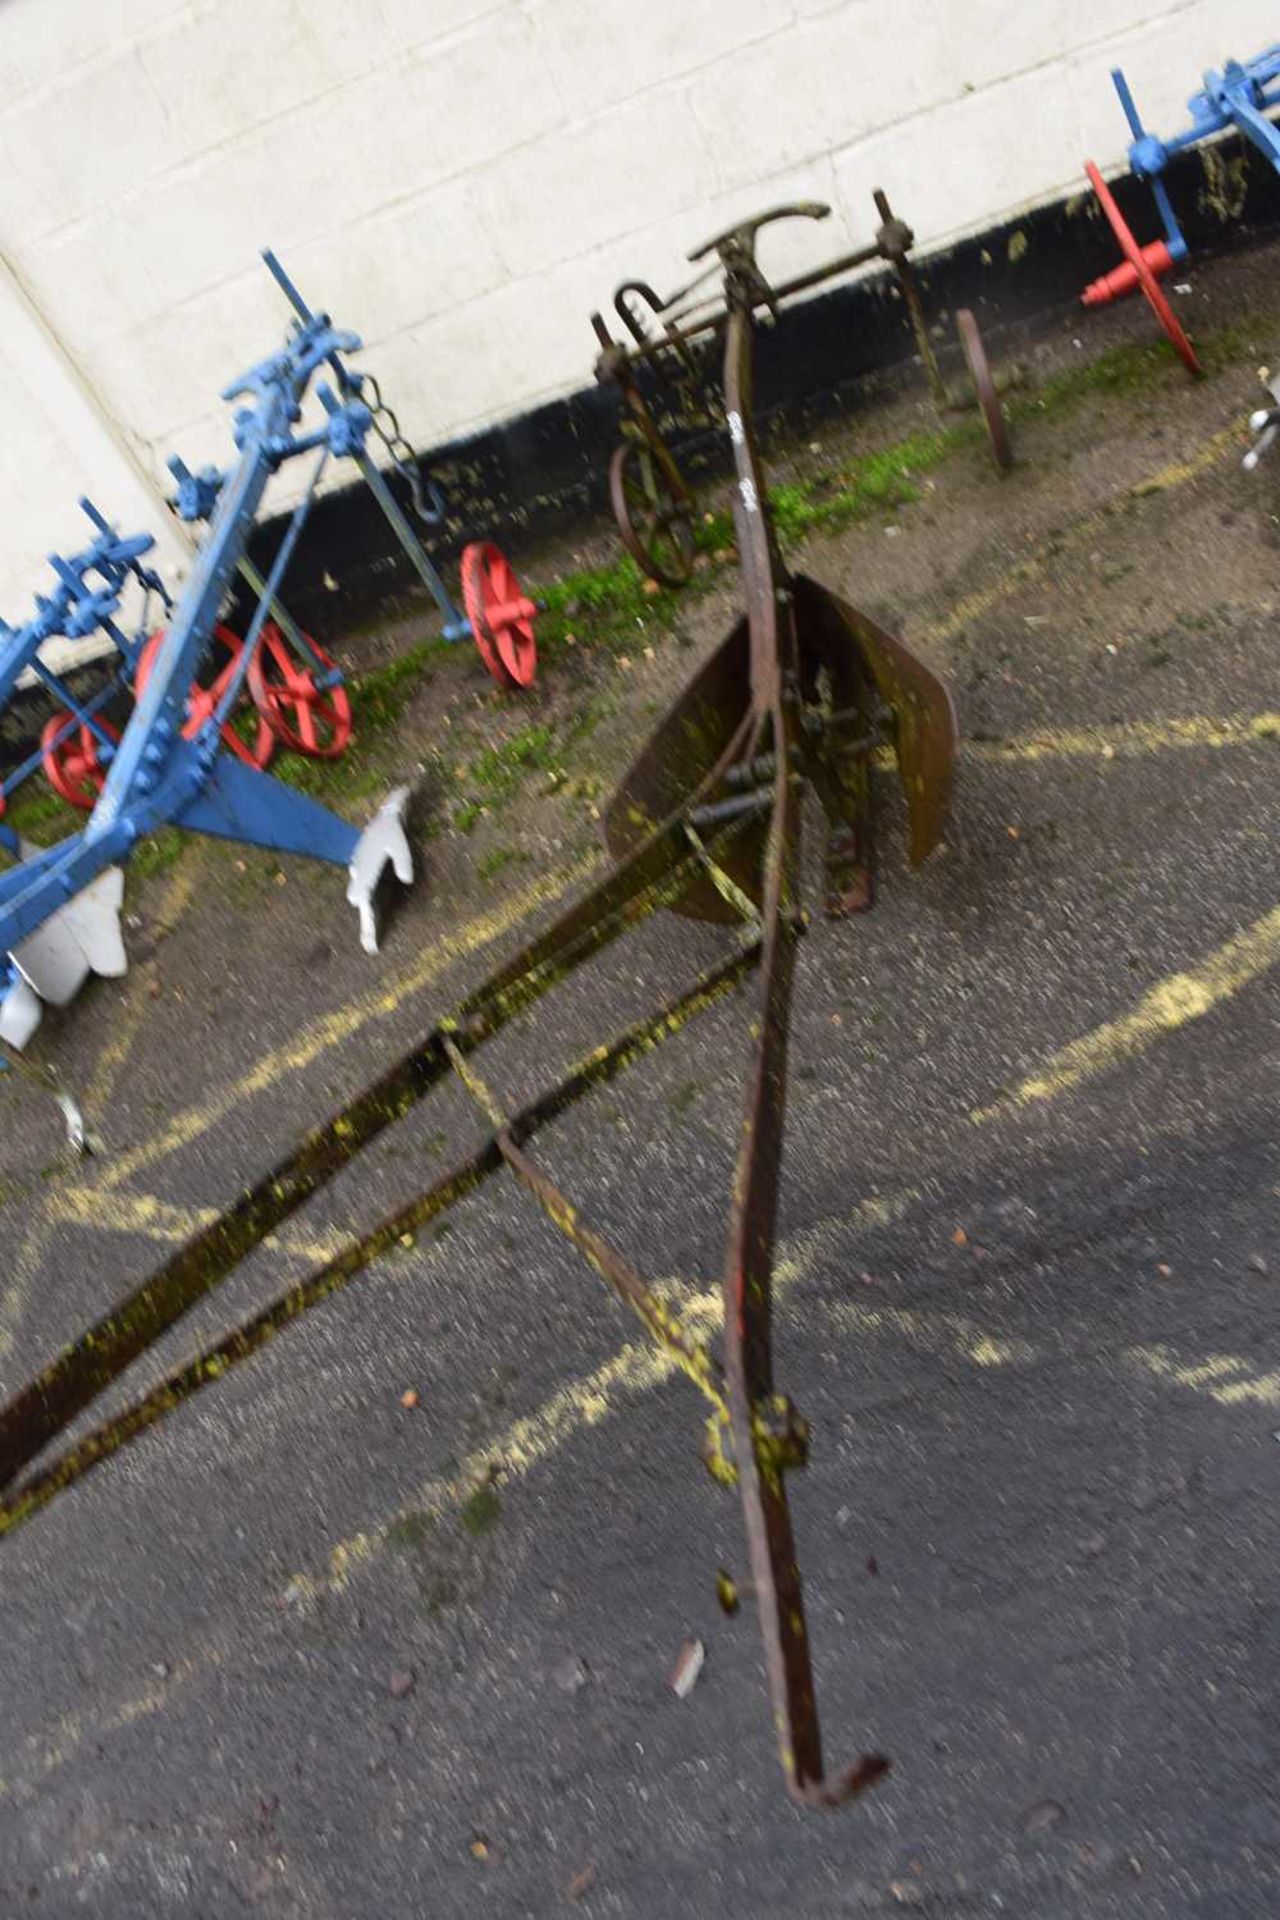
{"points": [[38, 1412], [21, 1438]]}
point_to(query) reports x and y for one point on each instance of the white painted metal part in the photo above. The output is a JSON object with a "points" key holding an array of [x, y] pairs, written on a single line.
{"points": [[20, 1014], [383, 840], [81, 938], [54, 962]]}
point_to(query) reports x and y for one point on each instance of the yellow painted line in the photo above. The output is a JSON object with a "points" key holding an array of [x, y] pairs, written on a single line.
{"points": [[956, 1335], [1170, 1004], [148, 1216], [1228, 1378], [1177, 474], [73, 1729], [532, 1440], [1035, 565], [1129, 738], [1124, 740], [342, 1025], [28, 1258], [514, 1454], [133, 1008]]}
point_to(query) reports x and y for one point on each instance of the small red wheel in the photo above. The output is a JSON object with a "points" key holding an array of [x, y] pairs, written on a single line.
{"points": [[310, 719], [500, 615], [1137, 258], [71, 763], [202, 700]]}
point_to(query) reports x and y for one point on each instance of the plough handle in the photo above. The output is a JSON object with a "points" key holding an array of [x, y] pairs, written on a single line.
{"points": [[740, 241]]}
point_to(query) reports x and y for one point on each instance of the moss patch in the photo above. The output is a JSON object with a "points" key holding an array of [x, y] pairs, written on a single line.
{"points": [[411, 1529], [497, 861], [481, 1511]]}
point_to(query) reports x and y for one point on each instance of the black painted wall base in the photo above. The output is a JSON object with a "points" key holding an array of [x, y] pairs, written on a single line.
{"points": [[520, 480]]}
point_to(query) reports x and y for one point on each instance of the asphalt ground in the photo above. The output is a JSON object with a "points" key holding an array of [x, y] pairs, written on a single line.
{"points": [[304, 1650]]}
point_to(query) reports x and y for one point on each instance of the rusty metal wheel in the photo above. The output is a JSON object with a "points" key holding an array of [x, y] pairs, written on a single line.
{"points": [[984, 385], [1137, 259], [655, 521]]}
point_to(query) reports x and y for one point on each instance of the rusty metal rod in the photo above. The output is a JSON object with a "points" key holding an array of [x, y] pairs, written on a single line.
{"points": [[920, 327], [691, 1356], [612, 1266], [637, 887], [767, 1436], [847, 263], [250, 1335]]}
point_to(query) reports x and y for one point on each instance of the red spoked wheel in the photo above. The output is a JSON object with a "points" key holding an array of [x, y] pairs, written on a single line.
{"points": [[71, 762], [501, 616], [202, 700], [311, 719], [1138, 260]]}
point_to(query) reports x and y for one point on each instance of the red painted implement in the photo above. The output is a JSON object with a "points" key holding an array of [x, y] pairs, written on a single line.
{"points": [[793, 704], [1140, 269]]}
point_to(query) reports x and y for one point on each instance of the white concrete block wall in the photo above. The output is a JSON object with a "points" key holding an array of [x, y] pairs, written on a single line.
{"points": [[463, 180]]}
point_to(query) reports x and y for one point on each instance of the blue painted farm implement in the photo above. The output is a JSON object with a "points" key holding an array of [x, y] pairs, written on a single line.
{"points": [[1241, 98], [179, 758]]}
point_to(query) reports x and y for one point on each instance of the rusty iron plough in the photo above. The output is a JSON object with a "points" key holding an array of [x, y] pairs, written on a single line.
{"points": [[653, 503], [797, 699]]}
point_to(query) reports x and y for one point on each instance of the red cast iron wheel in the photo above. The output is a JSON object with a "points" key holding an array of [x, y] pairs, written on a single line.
{"points": [[202, 700], [1146, 279], [500, 615], [310, 719], [71, 765]]}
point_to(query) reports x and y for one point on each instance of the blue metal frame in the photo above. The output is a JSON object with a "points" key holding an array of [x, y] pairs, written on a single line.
{"points": [[1240, 96], [153, 775], [85, 600]]}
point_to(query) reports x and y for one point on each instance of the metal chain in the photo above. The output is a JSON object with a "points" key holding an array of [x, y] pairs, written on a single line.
{"points": [[428, 500]]}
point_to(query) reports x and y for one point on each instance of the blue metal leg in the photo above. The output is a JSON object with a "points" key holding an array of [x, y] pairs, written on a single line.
{"points": [[456, 625]]}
